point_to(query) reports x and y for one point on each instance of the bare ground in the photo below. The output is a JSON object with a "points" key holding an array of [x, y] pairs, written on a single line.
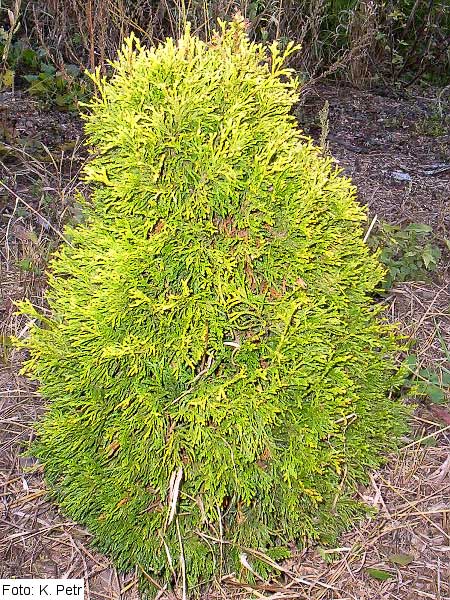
{"points": [[397, 150]]}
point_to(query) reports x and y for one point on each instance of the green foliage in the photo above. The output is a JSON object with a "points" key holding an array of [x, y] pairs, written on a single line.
{"points": [[435, 386], [399, 40], [431, 384], [407, 252], [401, 560], [411, 38], [19, 55], [414, 36], [380, 574], [218, 377], [5, 346], [63, 88], [435, 124]]}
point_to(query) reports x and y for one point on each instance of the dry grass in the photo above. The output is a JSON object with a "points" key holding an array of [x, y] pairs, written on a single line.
{"points": [[410, 495], [356, 39]]}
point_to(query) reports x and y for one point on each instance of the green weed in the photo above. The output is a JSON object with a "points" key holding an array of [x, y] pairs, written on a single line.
{"points": [[434, 125], [407, 252], [62, 87], [434, 385]]}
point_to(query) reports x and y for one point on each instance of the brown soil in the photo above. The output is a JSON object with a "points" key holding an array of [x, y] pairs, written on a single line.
{"points": [[397, 151]]}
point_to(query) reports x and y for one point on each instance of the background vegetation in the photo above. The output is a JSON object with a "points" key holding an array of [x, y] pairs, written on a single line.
{"points": [[367, 42]]}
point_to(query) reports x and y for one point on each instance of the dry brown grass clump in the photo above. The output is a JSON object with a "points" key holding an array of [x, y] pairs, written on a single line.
{"points": [[357, 39]]}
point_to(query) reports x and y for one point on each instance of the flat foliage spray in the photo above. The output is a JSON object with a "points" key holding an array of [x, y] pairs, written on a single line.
{"points": [[216, 372]]}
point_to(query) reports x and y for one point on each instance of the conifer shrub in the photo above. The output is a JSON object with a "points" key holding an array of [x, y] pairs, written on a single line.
{"points": [[218, 377]]}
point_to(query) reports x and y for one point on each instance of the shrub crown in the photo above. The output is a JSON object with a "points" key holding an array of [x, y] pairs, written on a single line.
{"points": [[216, 372]]}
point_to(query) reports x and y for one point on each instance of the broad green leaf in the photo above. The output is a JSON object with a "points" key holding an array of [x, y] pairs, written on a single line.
{"points": [[411, 362], [380, 574], [400, 559], [429, 376], [25, 264], [48, 69], [419, 228], [436, 394], [72, 70], [445, 378], [29, 57]]}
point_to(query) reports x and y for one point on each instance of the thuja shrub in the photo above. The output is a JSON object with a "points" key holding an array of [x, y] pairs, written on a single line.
{"points": [[218, 377]]}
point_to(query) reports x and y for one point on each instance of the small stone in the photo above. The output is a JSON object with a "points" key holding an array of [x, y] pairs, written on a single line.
{"points": [[401, 176]]}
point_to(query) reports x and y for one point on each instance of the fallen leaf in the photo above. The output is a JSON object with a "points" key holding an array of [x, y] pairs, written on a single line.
{"points": [[380, 574], [402, 560]]}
